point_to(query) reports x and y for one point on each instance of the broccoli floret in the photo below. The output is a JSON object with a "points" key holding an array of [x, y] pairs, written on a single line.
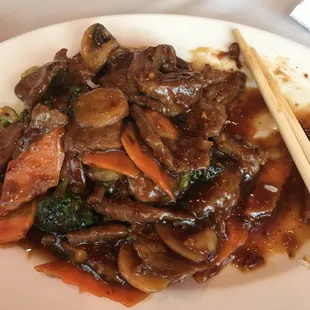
{"points": [[63, 214], [208, 174], [75, 92]]}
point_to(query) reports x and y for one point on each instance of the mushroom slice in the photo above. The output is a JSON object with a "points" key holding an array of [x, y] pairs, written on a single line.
{"points": [[128, 261], [101, 107], [96, 45], [174, 239], [204, 241]]}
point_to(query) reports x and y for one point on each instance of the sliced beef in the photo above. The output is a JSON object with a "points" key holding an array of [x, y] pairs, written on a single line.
{"points": [[86, 139], [251, 157], [150, 136], [43, 120], [132, 212], [221, 87], [183, 65], [73, 173], [9, 137], [228, 90], [144, 189], [205, 120], [175, 88], [189, 153], [78, 71], [156, 105], [213, 76], [32, 87], [119, 59], [94, 234], [158, 261], [96, 195], [161, 58], [218, 197], [102, 259]]}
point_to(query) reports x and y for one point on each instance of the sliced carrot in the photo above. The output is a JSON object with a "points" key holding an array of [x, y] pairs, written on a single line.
{"points": [[237, 235], [15, 225], [163, 126], [144, 162], [117, 161], [71, 274], [266, 193], [34, 171]]}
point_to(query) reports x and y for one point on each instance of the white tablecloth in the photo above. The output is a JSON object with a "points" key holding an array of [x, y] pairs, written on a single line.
{"points": [[19, 16]]}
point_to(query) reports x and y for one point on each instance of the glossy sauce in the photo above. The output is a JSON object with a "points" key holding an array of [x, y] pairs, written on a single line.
{"points": [[284, 231]]}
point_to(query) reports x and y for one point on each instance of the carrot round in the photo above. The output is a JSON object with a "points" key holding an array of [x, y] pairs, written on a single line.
{"points": [[163, 126], [73, 275], [117, 161], [144, 162], [15, 225]]}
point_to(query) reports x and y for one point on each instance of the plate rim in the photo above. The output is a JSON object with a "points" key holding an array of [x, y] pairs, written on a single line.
{"points": [[193, 17]]}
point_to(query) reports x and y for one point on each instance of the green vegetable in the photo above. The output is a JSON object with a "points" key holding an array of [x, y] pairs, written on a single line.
{"points": [[30, 70], [24, 117], [75, 92], [184, 182], [63, 214], [7, 116], [208, 174]]}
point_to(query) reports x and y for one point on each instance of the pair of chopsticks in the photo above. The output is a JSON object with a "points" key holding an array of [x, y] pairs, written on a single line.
{"points": [[289, 127]]}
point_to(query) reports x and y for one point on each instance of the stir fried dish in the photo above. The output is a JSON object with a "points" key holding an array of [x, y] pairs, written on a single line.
{"points": [[137, 172]]}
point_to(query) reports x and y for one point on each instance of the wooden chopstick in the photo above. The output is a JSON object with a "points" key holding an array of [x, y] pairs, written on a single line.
{"points": [[283, 104], [275, 106]]}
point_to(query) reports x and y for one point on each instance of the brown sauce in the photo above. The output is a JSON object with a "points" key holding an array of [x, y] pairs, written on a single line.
{"points": [[282, 232]]}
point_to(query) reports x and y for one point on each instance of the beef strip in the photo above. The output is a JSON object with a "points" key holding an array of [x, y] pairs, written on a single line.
{"points": [[189, 153], [78, 71], [251, 157], [158, 261], [206, 120], [73, 173], [156, 105], [32, 87], [86, 139], [144, 189], [149, 135], [213, 76], [9, 137], [94, 234], [43, 120], [184, 65], [131, 211], [228, 90], [219, 197], [102, 259], [175, 88], [97, 195], [119, 59]]}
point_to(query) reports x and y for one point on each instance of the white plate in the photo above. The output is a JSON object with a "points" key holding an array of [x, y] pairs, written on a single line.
{"points": [[283, 284]]}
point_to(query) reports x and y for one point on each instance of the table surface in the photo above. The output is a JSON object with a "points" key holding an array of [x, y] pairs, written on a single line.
{"points": [[19, 16]]}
